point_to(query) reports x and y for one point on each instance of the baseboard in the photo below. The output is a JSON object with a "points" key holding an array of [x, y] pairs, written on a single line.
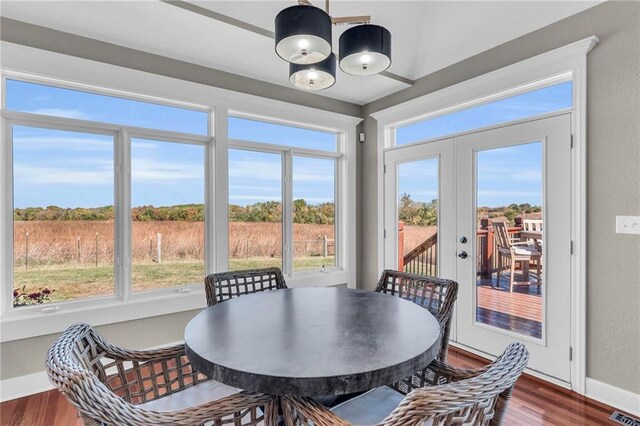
{"points": [[29, 384], [618, 398]]}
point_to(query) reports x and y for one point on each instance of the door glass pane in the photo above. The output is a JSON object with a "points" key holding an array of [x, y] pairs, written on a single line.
{"points": [[313, 213], [418, 217], [167, 212], [255, 210], [536, 102], [63, 194], [509, 244]]}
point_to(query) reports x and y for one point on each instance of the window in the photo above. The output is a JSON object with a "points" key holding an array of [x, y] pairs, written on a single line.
{"points": [[255, 210], [282, 196], [314, 232], [138, 166], [279, 134], [535, 102], [167, 214], [43, 99], [63, 228], [69, 185]]}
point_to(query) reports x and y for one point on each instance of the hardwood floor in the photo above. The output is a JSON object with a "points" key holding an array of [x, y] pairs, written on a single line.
{"points": [[534, 402]]}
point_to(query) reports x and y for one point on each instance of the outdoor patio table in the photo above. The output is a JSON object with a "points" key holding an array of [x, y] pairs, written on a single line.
{"points": [[312, 341]]}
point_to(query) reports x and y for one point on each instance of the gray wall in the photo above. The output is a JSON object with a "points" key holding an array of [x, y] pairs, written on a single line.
{"points": [[613, 283], [27, 356]]}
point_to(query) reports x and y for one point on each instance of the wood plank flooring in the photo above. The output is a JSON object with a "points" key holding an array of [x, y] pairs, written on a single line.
{"points": [[534, 402]]}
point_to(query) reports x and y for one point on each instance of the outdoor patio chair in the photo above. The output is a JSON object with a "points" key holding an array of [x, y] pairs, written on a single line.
{"points": [[226, 285], [109, 385], [467, 397], [514, 252]]}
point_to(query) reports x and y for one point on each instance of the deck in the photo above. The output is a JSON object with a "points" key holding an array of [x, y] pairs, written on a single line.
{"points": [[520, 311]]}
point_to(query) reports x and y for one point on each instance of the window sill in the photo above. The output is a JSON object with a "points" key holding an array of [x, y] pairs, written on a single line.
{"points": [[20, 324]]}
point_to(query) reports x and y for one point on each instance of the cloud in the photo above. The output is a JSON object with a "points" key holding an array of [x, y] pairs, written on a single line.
{"points": [[62, 143], [509, 194], [62, 112], [264, 170], [165, 172], [44, 175]]}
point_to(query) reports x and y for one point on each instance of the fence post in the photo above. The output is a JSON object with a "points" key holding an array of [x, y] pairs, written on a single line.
{"points": [[96, 249], [400, 246], [26, 252], [325, 246], [159, 243], [487, 250], [78, 247]]}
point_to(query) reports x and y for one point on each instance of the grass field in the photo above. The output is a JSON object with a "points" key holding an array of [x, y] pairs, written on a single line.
{"points": [[62, 255], [81, 282]]}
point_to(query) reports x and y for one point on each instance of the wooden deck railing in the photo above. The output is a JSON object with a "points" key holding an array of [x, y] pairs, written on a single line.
{"points": [[423, 259]]}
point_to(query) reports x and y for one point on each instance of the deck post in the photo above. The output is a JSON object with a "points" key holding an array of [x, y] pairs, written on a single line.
{"points": [[487, 250], [400, 245]]}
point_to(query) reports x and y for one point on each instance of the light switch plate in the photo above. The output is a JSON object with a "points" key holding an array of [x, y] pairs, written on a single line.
{"points": [[628, 225]]}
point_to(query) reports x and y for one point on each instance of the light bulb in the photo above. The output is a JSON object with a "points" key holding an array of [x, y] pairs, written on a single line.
{"points": [[365, 58], [312, 75], [303, 43]]}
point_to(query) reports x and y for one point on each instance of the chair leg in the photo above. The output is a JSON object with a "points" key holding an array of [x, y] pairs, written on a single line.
{"points": [[499, 270], [538, 262], [511, 278]]}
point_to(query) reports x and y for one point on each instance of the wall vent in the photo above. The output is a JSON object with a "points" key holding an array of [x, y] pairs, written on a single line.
{"points": [[624, 419]]}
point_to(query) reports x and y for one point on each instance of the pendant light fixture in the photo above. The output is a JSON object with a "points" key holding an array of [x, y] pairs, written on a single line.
{"points": [[303, 38], [318, 76], [365, 50], [303, 34]]}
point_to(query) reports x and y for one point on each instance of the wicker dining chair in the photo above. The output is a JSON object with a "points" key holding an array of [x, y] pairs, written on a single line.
{"points": [[113, 386], [471, 397], [227, 285], [437, 295]]}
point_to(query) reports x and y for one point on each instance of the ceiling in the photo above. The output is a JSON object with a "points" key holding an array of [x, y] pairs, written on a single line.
{"points": [[427, 35]]}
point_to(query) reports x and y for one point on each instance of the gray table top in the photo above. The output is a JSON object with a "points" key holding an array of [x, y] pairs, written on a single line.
{"points": [[312, 341]]}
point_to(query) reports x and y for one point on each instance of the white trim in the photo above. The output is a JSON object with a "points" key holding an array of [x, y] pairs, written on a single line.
{"points": [[519, 77], [616, 397], [30, 384]]}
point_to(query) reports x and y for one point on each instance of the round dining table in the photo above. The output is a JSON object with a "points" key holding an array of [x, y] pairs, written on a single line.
{"points": [[312, 341]]}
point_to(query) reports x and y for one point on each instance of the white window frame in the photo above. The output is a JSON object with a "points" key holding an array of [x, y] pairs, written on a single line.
{"points": [[539, 71], [288, 152], [46, 67]]}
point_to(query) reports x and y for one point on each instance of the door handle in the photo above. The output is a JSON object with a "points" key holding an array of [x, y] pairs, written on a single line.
{"points": [[463, 255]]}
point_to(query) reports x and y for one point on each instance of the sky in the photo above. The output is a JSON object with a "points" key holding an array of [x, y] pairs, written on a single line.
{"points": [[70, 169]]}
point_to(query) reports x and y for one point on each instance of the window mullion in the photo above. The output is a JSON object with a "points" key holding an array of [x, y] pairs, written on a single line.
{"points": [[122, 226], [287, 212], [220, 196]]}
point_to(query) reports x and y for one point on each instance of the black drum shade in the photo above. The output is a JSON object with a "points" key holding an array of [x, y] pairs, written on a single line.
{"points": [[318, 76], [303, 34], [365, 50]]}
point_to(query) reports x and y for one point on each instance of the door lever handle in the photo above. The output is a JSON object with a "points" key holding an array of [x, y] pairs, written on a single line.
{"points": [[463, 255]]}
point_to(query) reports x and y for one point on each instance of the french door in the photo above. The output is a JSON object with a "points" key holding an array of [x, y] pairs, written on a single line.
{"points": [[503, 232]]}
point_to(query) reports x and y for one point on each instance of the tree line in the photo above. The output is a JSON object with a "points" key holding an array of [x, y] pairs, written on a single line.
{"points": [[269, 211], [411, 212]]}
